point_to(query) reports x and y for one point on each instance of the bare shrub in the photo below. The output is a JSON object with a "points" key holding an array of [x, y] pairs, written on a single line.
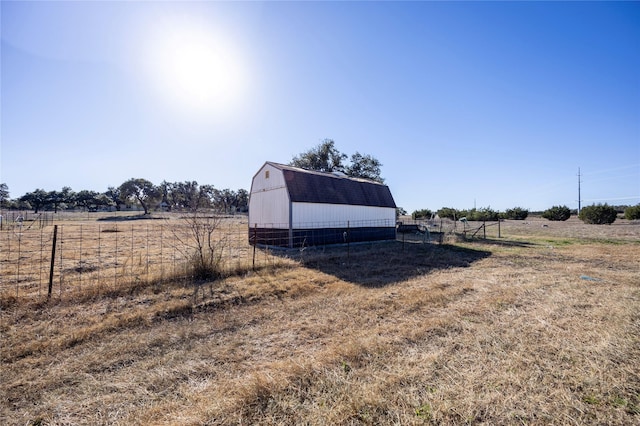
{"points": [[200, 244]]}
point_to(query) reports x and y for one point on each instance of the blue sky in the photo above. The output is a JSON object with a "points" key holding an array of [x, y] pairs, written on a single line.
{"points": [[486, 103]]}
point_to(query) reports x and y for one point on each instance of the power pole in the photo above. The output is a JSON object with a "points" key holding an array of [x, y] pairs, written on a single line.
{"points": [[579, 199]]}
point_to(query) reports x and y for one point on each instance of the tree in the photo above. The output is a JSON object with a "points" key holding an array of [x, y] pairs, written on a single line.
{"points": [[36, 199], [165, 188], [193, 195], [448, 213], [481, 214], [88, 199], [59, 198], [516, 213], [364, 166], [598, 214], [224, 199], [4, 194], [421, 214], [242, 200], [323, 158], [557, 213], [229, 201], [206, 196], [103, 200], [186, 195], [632, 212], [326, 158], [114, 195], [141, 190]]}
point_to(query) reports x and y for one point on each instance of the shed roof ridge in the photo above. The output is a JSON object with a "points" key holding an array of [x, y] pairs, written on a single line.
{"points": [[281, 166]]}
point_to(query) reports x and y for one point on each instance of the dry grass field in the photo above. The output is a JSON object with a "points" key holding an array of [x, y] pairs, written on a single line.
{"points": [[541, 326]]}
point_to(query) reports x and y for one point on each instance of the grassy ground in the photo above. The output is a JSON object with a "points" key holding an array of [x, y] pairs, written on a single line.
{"points": [[541, 326]]}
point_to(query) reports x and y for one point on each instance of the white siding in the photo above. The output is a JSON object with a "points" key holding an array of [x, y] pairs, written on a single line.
{"points": [[309, 215], [269, 199]]}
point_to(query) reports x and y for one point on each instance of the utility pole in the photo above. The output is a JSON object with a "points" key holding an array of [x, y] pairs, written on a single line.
{"points": [[579, 199]]}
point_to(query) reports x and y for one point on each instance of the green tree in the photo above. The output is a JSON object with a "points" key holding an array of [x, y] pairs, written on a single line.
{"points": [[88, 200], [449, 213], [206, 196], [483, 213], [421, 214], [60, 199], [114, 195], [327, 158], [598, 214], [142, 190], [224, 199], [557, 213], [37, 199], [632, 212], [364, 166], [198, 196], [516, 213], [4, 195], [323, 158], [242, 200]]}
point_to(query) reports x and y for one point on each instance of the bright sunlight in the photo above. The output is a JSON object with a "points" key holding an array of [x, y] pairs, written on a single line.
{"points": [[195, 69]]}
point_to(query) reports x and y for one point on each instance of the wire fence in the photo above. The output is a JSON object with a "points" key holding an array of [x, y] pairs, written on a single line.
{"points": [[44, 257], [60, 259]]}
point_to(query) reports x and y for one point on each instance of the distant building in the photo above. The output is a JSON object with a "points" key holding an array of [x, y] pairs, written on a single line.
{"points": [[293, 207]]}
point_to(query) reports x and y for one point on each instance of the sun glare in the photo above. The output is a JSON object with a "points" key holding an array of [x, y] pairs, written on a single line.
{"points": [[195, 69]]}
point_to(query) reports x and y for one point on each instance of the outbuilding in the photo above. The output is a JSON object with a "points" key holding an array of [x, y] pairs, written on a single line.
{"points": [[294, 207]]}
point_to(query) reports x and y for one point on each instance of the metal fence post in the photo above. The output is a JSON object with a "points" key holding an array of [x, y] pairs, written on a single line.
{"points": [[255, 243], [53, 259]]}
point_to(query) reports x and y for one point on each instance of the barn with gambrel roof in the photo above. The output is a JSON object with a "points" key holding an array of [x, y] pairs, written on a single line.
{"points": [[294, 207]]}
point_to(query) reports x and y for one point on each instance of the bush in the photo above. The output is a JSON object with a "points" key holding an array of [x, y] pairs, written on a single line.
{"points": [[598, 214], [632, 213], [421, 214], [201, 248], [558, 213], [516, 213], [484, 213], [449, 213]]}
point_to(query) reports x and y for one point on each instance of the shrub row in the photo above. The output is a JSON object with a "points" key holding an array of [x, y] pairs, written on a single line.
{"points": [[595, 214]]}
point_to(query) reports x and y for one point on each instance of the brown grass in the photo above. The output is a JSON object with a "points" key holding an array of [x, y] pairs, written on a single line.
{"points": [[541, 326]]}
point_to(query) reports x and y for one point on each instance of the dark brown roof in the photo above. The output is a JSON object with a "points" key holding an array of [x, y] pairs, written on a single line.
{"points": [[306, 186]]}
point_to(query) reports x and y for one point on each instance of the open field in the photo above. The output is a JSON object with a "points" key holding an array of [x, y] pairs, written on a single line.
{"points": [[541, 326]]}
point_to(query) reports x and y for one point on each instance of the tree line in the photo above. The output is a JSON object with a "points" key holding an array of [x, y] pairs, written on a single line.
{"points": [[168, 196], [188, 195]]}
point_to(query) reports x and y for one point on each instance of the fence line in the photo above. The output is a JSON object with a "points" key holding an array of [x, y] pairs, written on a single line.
{"points": [[85, 255], [97, 256]]}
